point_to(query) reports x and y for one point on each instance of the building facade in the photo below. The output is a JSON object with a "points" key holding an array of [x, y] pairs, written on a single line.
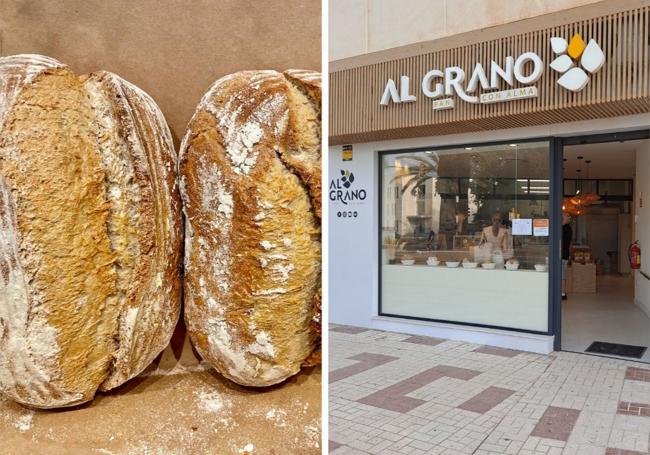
{"points": [[446, 160]]}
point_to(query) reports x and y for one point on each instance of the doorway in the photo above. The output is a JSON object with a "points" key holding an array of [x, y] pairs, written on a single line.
{"points": [[607, 305]]}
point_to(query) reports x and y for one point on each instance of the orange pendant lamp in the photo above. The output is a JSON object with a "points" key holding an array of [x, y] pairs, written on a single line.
{"points": [[578, 204], [572, 209]]}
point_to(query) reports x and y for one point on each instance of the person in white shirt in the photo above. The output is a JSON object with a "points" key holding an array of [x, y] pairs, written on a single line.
{"points": [[496, 234]]}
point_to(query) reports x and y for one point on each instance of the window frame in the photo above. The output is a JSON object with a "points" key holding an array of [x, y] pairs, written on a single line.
{"points": [[555, 205]]}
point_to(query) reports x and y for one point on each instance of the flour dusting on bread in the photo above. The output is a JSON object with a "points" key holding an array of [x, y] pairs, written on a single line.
{"points": [[90, 238], [16, 71], [251, 276], [24, 360]]}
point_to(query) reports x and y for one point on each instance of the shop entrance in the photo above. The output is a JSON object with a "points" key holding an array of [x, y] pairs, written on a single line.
{"points": [[606, 310]]}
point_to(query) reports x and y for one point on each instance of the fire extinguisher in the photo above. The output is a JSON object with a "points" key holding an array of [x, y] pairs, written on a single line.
{"points": [[634, 253]]}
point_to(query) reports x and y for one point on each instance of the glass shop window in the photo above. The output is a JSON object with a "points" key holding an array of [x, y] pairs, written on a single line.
{"points": [[465, 235]]}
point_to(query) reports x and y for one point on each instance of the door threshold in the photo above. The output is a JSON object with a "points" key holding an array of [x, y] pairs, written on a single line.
{"points": [[627, 359]]}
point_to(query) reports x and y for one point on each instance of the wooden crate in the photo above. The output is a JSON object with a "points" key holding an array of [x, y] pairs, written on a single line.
{"points": [[583, 278]]}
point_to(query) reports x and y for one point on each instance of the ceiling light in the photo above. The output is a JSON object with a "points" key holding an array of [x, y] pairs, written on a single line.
{"points": [[468, 148], [512, 145]]}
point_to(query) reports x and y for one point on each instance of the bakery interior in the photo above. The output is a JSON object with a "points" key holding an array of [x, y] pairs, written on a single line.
{"points": [[606, 298]]}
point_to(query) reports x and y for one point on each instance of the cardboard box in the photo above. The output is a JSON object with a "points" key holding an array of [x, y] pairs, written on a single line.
{"points": [[583, 278]]}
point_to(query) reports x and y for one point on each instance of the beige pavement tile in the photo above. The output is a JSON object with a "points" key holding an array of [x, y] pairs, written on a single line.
{"points": [[630, 433], [462, 404]]}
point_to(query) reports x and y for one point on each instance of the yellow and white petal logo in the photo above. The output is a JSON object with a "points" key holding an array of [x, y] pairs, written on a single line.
{"points": [[589, 56]]}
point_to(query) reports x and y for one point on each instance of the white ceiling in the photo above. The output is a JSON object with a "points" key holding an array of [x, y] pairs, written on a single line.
{"points": [[611, 160]]}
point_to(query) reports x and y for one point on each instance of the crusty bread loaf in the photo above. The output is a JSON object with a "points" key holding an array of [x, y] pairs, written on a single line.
{"points": [[250, 170], [91, 232]]}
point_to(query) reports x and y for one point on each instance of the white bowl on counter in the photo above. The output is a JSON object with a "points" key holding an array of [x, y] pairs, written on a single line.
{"points": [[541, 267], [470, 265], [408, 261], [512, 267], [433, 263], [489, 265], [452, 264]]}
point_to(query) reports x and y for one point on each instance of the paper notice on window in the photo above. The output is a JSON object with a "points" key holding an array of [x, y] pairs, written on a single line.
{"points": [[541, 227], [522, 226]]}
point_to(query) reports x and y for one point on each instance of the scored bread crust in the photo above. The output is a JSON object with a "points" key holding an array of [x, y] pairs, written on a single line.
{"points": [[304, 157], [146, 232], [90, 238], [250, 164], [303, 151]]}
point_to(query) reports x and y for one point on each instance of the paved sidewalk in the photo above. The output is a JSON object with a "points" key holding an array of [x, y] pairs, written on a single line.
{"points": [[392, 393]]}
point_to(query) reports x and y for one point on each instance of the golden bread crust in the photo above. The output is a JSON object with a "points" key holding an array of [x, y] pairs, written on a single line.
{"points": [[90, 250], [252, 254]]}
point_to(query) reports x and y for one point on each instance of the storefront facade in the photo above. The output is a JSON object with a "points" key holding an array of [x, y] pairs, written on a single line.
{"points": [[451, 152]]}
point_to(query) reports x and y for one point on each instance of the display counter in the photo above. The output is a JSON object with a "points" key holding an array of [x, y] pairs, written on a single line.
{"points": [[514, 299], [528, 256]]}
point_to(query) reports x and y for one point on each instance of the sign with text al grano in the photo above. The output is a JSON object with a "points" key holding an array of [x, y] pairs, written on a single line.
{"points": [[346, 195], [573, 61]]}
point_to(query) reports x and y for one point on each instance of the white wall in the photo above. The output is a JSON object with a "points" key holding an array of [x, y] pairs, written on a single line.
{"points": [[353, 243], [642, 226], [361, 26]]}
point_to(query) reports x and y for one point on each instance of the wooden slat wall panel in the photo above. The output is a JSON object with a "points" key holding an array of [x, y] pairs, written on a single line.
{"points": [[621, 87]]}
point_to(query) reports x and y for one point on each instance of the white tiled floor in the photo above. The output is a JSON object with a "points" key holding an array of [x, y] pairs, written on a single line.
{"points": [[609, 315]]}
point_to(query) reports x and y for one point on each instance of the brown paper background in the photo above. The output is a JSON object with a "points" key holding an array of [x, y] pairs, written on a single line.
{"points": [[173, 49]]}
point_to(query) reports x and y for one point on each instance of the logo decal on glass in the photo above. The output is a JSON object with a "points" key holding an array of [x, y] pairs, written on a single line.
{"points": [[573, 59]]}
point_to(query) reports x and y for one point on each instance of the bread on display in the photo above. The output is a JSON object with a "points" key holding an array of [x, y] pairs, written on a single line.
{"points": [[250, 170], [90, 241]]}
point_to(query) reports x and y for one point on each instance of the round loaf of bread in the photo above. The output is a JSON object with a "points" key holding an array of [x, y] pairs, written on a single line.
{"points": [[250, 170], [90, 235]]}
